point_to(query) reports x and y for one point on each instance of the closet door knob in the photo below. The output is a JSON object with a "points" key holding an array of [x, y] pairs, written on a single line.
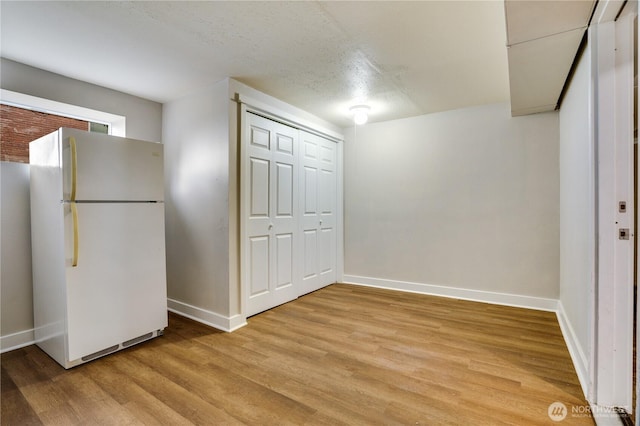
{"points": [[271, 226]]}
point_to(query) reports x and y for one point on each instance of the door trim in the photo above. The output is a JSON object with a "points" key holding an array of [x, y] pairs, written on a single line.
{"points": [[612, 321], [282, 117]]}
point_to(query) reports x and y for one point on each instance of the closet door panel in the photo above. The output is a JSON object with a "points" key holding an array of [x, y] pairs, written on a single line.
{"points": [[260, 137], [284, 260], [259, 265], [259, 188], [310, 149], [270, 175], [327, 251], [285, 144], [310, 251], [327, 192], [310, 191], [328, 153], [284, 178], [318, 222]]}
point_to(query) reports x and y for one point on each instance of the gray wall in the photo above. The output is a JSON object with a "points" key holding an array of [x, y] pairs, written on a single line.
{"points": [[465, 198], [143, 121], [577, 207]]}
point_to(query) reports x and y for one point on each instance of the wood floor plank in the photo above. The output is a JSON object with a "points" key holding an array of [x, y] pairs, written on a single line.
{"points": [[140, 403], [343, 355], [15, 407], [237, 396], [293, 386]]}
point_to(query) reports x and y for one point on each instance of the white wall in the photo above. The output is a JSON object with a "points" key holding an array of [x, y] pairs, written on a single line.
{"points": [[464, 199], [143, 121], [577, 206], [15, 254], [196, 138], [144, 117]]}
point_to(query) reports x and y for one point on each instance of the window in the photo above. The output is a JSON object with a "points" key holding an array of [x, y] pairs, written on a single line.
{"points": [[24, 118], [19, 126]]}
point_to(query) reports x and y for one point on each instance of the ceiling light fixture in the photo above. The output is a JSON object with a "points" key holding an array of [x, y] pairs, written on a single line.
{"points": [[360, 113]]}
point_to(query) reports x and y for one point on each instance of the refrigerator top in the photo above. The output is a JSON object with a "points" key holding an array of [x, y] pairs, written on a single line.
{"points": [[98, 167]]}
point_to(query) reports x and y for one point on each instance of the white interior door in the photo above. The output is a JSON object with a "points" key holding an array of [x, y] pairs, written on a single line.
{"points": [[270, 205], [117, 291], [318, 203]]}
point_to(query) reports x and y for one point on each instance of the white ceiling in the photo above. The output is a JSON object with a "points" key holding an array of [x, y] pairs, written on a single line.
{"points": [[402, 58]]}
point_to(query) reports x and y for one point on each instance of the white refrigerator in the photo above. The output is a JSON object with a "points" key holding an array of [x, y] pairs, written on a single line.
{"points": [[97, 234]]}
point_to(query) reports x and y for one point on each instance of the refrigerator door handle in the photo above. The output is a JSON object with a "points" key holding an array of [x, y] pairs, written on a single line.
{"points": [[74, 167], [74, 216]]}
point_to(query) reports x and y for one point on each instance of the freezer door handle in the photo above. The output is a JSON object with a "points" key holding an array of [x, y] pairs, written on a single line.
{"points": [[74, 167], [74, 216]]}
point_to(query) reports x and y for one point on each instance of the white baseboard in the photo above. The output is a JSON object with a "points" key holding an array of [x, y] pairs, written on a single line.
{"points": [[17, 340], [206, 317], [580, 361], [24, 338], [530, 302]]}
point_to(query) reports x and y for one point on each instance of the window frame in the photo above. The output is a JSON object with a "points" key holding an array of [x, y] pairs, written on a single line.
{"points": [[115, 123]]}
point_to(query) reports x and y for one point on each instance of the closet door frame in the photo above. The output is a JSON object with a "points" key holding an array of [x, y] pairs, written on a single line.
{"points": [[247, 104]]}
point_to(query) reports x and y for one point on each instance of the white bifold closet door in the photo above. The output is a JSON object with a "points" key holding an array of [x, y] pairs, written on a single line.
{"points": [[271, 204], [318, 203]]}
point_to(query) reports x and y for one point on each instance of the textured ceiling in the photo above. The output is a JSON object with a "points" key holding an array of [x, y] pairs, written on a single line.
{"points": [[402, 58]]}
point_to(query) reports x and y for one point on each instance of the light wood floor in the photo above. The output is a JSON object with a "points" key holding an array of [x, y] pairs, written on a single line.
{"points": [[342, 355]]}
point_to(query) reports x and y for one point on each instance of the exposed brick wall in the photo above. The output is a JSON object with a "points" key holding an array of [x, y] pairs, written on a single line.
{"points": [[19, 126]]}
